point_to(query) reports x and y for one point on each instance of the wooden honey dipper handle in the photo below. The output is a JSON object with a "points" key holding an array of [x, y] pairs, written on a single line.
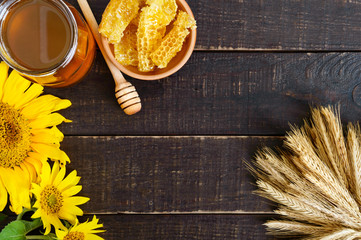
{"points": [[125, 92]]}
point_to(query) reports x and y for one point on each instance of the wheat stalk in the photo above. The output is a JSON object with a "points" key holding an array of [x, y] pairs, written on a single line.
{"points": [[316, 180], [341, 234], [288, 228], [354, 156]]}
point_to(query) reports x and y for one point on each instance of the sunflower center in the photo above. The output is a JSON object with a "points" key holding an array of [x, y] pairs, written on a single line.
{"points": [[74, 236], [51, 200], [14, 136]]}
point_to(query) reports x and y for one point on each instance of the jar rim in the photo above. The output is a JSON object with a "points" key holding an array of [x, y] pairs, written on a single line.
{"points": [[6, 57]]}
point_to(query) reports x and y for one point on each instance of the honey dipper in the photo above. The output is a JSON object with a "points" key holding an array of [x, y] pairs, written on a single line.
{"points": [[125, 92]]}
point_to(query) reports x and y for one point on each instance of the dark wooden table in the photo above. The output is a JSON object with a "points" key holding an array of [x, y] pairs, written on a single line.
{"points": [[177, 170]]}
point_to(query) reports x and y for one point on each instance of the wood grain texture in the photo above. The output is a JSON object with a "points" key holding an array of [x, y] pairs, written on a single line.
{"points": [[208, 226], [167, 174], [272, 25], [220, 93], [176, 170]]}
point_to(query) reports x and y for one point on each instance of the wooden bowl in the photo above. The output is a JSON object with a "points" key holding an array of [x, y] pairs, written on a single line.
{"points": [[173, 66]]}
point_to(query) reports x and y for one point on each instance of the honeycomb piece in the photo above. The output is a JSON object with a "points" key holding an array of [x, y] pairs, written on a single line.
{"points": [[117, 17], [135, 20], [161, 32], [184, 20], [173, 41], [152, 24], [126, 50]]}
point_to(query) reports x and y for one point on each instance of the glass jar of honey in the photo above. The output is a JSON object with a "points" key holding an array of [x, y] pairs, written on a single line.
{"points": [[46, 41]]}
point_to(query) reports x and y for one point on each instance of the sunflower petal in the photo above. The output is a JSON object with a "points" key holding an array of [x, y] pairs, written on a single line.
{"points": [[72, 209], [94, 237], [3, 195], [3, 76], [38, 156], [72, 191], [71, 180], [70, 214], [61, 233], [46, 223], [35, 188], [37, 214], [35, 163], [53, 183], [56, 221], [51, 151], [76, 200], [45, 174], [31, 93], [59, 176], [26, 166], [44, 105], [47, 135], [54, 172], [89, 228], [47, 121], [17, 185], [14, 88], [37, 205], [57, 133]]}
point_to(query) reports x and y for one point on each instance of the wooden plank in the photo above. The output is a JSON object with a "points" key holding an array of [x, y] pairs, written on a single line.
{"points": [[220, 93], [167, 174], [272, 25], [207, 227]]}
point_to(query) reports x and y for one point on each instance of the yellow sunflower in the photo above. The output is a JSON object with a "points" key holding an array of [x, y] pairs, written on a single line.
{"points": [[82, 231], [28, 136], [55, 197]]}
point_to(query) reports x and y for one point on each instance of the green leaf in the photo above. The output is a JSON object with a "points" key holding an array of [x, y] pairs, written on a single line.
{"points": [[17, 230], [14, 230], [31, 225], [52, 236]]}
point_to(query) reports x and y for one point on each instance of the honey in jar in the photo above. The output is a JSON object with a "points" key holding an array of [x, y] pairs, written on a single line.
{"points": [[47, 41]]}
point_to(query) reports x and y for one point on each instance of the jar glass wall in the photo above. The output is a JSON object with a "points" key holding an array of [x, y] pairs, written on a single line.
{"points": [[46, 41]]}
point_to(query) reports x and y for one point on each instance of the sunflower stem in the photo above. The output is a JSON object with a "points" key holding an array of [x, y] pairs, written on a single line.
{"points": [[34, 225], [39, 237], [25, 210]]}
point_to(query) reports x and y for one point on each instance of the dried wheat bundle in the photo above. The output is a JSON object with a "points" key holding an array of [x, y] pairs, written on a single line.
{"points": [[316, 179]]}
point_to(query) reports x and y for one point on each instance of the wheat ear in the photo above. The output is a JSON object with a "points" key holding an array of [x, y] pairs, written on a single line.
{"points": [[316, 181]]}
